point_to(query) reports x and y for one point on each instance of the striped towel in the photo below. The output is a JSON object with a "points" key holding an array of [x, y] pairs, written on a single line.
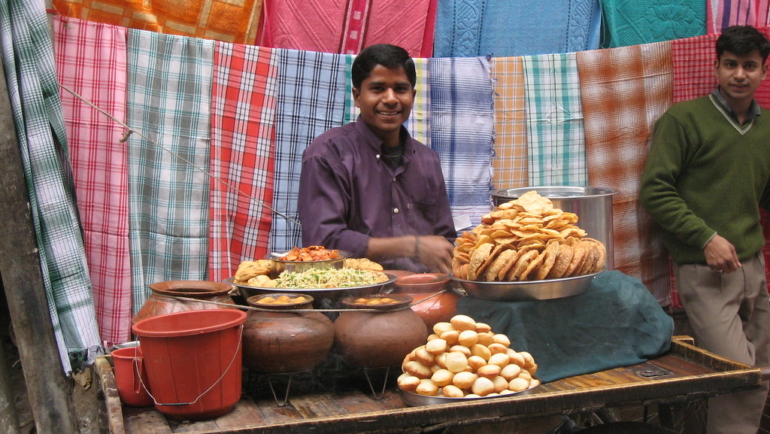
{"points": [[243, 130], [418, 123], [724, 13], [169, 88], [91, 61], [634, 22], [624, 90], [510, 156], [506, 28], [311, 99], [30, 74], [462, 129], [554, 121]]}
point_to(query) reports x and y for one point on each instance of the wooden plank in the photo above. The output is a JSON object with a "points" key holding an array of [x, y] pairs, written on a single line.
{"points": [[144, 420], [194, 426], [245, 413], [112, 402], [317, 405], [273, 414]]}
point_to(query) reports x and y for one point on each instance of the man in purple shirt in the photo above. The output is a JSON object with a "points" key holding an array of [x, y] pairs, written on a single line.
{"points": [[368, 188]]}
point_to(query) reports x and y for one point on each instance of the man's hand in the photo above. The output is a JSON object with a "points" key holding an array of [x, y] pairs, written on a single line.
{"points": [[721, 256], [435, 252]]}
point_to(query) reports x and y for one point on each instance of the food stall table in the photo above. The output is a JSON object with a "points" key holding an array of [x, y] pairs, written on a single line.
{"points": [[681, 376]]}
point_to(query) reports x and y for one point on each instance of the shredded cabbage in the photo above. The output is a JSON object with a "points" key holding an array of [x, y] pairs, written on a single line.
{"points": [[329, 278]]}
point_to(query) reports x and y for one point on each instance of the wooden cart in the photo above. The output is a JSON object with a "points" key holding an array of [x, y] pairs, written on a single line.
{"points": [[684, 375]]}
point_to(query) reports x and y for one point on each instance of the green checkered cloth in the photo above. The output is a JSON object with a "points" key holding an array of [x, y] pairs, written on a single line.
{"points": [[30, 74], [169, 98]]}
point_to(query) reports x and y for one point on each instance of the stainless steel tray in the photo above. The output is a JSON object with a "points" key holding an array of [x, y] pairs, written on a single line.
{"points": [[527, 290], [415, 400]]}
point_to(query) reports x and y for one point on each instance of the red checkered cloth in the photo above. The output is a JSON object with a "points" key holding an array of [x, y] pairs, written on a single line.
{"points": [[694, 77], [242, 155], [624, 90], [91, 61]]}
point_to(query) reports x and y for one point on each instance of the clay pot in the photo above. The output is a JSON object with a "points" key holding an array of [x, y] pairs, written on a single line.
{"points": [[282, 340], [435, 309], [164, 298], [381, 338]]}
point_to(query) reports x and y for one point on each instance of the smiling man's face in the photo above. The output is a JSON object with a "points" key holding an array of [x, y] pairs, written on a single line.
{"points": [[385, 99]]}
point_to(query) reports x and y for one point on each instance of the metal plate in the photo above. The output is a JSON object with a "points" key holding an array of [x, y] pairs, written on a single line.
{"points": [[415, 400], [527, 290]]}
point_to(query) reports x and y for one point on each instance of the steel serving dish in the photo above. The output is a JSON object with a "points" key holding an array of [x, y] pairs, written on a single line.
{"points": [[527, 290], [323, 297], [415, 400]]}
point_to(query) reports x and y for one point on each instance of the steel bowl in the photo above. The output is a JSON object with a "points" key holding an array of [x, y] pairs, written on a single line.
{"points": [[527, 290], [322, 297], [415, 400]]}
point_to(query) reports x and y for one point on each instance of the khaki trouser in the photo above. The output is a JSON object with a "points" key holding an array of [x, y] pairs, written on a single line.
{"points": [[730, 316]]}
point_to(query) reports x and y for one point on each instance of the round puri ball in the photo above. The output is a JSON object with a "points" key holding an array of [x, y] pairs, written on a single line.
{"points": [[489, 371], [502, 360], [461, 349], [529, 361], [518, 384], [427, 388], [500, 384], [451, 391], [441, 360], [456, 362], [516, 358], [510, 371], [441, 327], [450, 336], [483, 327], [408, 382], [436, 346], [483, 386], [463, 322], [417, 369], [468, 338], [423, 356], [464, 380], [486, 339], [442, 377], [502, 339], [475, 362], [481, 351], [497, 348]]}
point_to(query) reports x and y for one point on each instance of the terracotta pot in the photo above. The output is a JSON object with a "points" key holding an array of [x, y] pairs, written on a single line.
{"points": [[282, 340], [420, 286], [164, 298], [378, 339]]}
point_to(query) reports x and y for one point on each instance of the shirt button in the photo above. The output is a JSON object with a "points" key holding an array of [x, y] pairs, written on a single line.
{"points": [[395, 210], [394, 179]]}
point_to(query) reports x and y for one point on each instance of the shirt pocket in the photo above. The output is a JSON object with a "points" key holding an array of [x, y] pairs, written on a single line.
{"points": [[422, 216]]}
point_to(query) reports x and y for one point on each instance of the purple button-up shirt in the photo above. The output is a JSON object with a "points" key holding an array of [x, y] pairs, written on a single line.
{"points": [[348, 193]]}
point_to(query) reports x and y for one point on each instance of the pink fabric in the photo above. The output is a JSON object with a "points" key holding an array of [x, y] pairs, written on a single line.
{"points": [[347, 26], [724, 13], [91, 61], [624, 90], [242, 156]]}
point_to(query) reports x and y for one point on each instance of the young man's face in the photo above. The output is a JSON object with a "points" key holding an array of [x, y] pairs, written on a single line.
{"points": [[386, 98], [739, 76]]}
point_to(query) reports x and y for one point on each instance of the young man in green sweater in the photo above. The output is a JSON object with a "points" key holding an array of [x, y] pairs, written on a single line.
{"points": [[706, 176]]}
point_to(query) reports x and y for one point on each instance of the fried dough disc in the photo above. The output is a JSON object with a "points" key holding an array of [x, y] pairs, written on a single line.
{"points": [[501, 275], [477, 259], [549, 258], [578, 256], [502, 260], [487, 262], [562, 262], [602, 255], [521, 264], [592, 256], [533, 264]]}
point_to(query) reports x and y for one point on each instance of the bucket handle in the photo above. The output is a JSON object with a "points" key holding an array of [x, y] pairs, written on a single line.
{"points": [[238, 348]]}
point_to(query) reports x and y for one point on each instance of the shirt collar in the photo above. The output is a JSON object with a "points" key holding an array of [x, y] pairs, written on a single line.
{"points": [[375, 143], [754, 110]]}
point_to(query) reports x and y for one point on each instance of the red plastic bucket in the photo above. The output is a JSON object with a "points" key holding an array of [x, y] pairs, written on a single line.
{"points": [[128, 366], [193, 361]]}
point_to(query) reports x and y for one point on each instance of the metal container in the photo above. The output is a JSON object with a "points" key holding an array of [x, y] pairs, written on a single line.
{"points": [[528, 290], [592, 205]]}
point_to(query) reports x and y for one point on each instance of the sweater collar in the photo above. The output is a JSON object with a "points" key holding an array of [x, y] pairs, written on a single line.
{"points": [[754, 110]]}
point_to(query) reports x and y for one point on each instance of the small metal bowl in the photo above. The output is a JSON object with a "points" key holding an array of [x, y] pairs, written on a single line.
{"points": [[527, 290], [399, 301]]}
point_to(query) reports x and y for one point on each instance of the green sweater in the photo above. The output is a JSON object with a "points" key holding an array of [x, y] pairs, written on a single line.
{"points": [[705, 174]]}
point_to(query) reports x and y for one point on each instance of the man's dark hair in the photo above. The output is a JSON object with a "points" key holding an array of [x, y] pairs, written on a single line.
{"points": [[387, 55], [742, 40]]}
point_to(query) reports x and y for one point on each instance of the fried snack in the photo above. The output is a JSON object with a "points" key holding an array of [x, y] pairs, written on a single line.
{"points": [[526, 239], [311, 253], [250, 269], [362, 264]]}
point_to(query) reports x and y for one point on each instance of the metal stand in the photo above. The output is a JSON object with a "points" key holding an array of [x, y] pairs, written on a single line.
{"points": [[371, 386]]}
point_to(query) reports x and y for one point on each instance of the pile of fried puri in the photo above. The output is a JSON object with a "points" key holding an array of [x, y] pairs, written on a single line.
{"points": [[465, 359], [526, 239]]}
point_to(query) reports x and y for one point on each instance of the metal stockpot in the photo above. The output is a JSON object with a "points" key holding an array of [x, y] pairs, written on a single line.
{"points": [[593, 206]]}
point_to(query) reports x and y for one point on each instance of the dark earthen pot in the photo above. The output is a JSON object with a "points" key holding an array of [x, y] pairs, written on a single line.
{"points": [[282, 340], [378, 339], [420, 287], [165, 297]]}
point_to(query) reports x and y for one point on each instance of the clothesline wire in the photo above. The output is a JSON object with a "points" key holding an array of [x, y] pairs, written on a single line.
{"points": [[130, 130]]}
